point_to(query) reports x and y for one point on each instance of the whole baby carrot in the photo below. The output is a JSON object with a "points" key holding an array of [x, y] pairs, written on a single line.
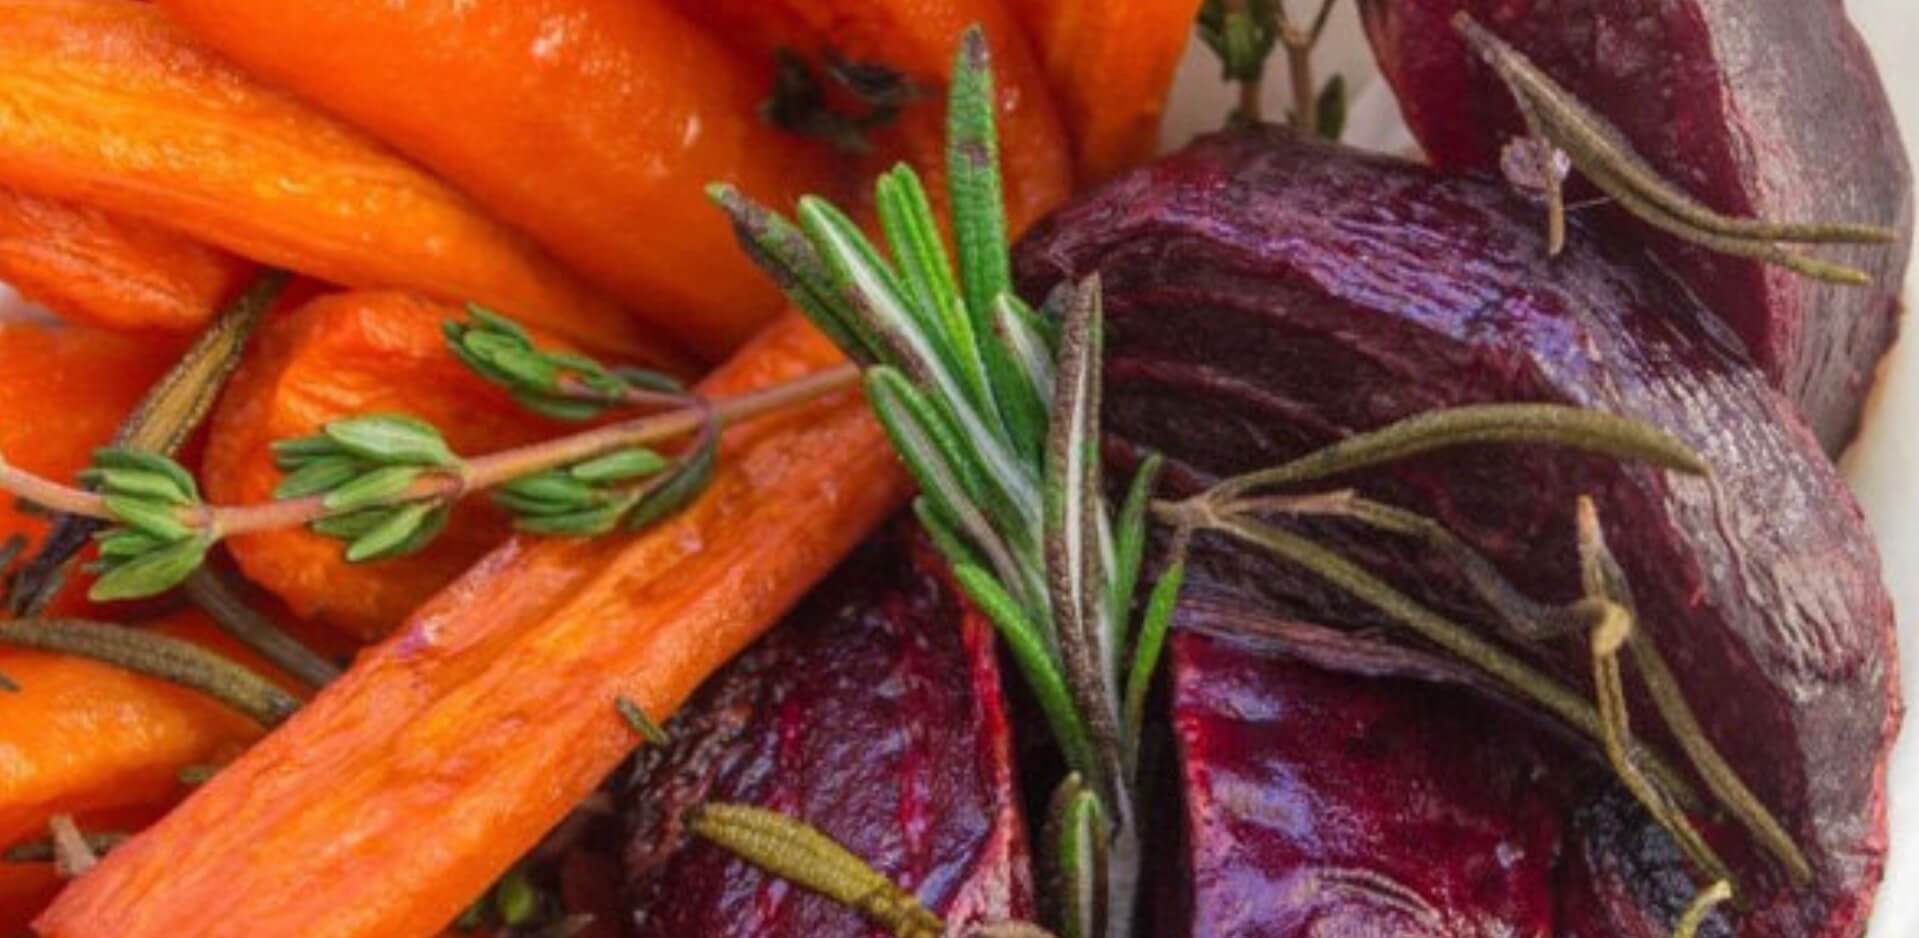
{"points": [[110, 104], [405, 788], [593, 124]]}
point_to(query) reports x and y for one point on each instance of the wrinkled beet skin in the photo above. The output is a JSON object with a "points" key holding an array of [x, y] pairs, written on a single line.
{"points": [[1333, 804], [1265, 296], [1759, 108], [873, 712]]}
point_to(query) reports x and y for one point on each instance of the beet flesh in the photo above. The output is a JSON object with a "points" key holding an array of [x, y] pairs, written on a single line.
{"points": [[874, 713], [1265, 296], [1758, 108], [1334, 804]]}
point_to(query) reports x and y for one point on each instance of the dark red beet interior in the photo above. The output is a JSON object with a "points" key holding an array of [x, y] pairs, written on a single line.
{"points": [[874, 713], [1761, 108], [1333, 804], [1265, 296]]}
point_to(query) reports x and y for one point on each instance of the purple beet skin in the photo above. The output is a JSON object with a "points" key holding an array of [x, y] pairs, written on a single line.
{"points": [[874, 713], [1266, 296], [1333, 804], [1759, 108]]}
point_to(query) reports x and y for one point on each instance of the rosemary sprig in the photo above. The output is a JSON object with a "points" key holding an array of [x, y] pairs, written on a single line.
{"points": [[170, 659], [802, 854], [1556, 119], [223, 600], [996, 413]]}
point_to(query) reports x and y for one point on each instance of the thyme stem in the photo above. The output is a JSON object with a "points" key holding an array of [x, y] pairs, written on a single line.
{"points": [[159, 656], [167, 414], [481, 473]]}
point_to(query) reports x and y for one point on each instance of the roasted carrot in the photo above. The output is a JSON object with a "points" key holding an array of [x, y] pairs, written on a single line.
{"points": [[25, 889], [405, 788], [1109, 66], [340, 356], [85, 737], [914, 41], [593, 124], [117, 273], [64, 391], [110, 104]]}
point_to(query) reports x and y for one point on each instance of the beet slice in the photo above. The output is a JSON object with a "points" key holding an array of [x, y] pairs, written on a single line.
{"points": [[1331, 804], [1267, 295], [1759, 108], [874, 713]]}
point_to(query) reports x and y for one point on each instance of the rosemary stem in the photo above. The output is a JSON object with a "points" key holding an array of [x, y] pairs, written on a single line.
{"points": [[1521, 677], [159, 656], [212, 592]]}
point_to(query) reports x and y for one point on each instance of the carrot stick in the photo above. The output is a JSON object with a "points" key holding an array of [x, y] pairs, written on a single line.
{"points": [[110, 104], [915, 40], [406, 787], [1110, 66], [91, 267], [340, 356], [593, 124]]}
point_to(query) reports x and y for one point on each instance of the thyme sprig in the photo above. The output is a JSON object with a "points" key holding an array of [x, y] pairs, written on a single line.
{"points": [[1556, 120], [383, 483], [167, 414]]}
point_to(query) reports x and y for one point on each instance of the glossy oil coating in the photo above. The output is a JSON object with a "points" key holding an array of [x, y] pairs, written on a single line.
{"points": [[595, 125], [1762, 108], [1266, 296], [1334, 804], [873, 712]]}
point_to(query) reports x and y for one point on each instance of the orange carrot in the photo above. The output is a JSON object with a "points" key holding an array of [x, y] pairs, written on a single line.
{"points": [[1110, 66], [916, 39], [342, 355], [109, 104], [404, 789], [91, 267], [85, 737], [25, 889], [593, 124], [64, 391]]}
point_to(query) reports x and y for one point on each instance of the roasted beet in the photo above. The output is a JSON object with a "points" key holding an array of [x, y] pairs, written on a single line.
{"points": [[1759, 108], [874, 713], [1266, 295], [1333, 804]]}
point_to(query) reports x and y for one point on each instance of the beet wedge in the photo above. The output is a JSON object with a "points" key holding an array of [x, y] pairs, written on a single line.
{"points": [[873, 713], [1756, 108], [1265, 296], [1333, 804]]}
